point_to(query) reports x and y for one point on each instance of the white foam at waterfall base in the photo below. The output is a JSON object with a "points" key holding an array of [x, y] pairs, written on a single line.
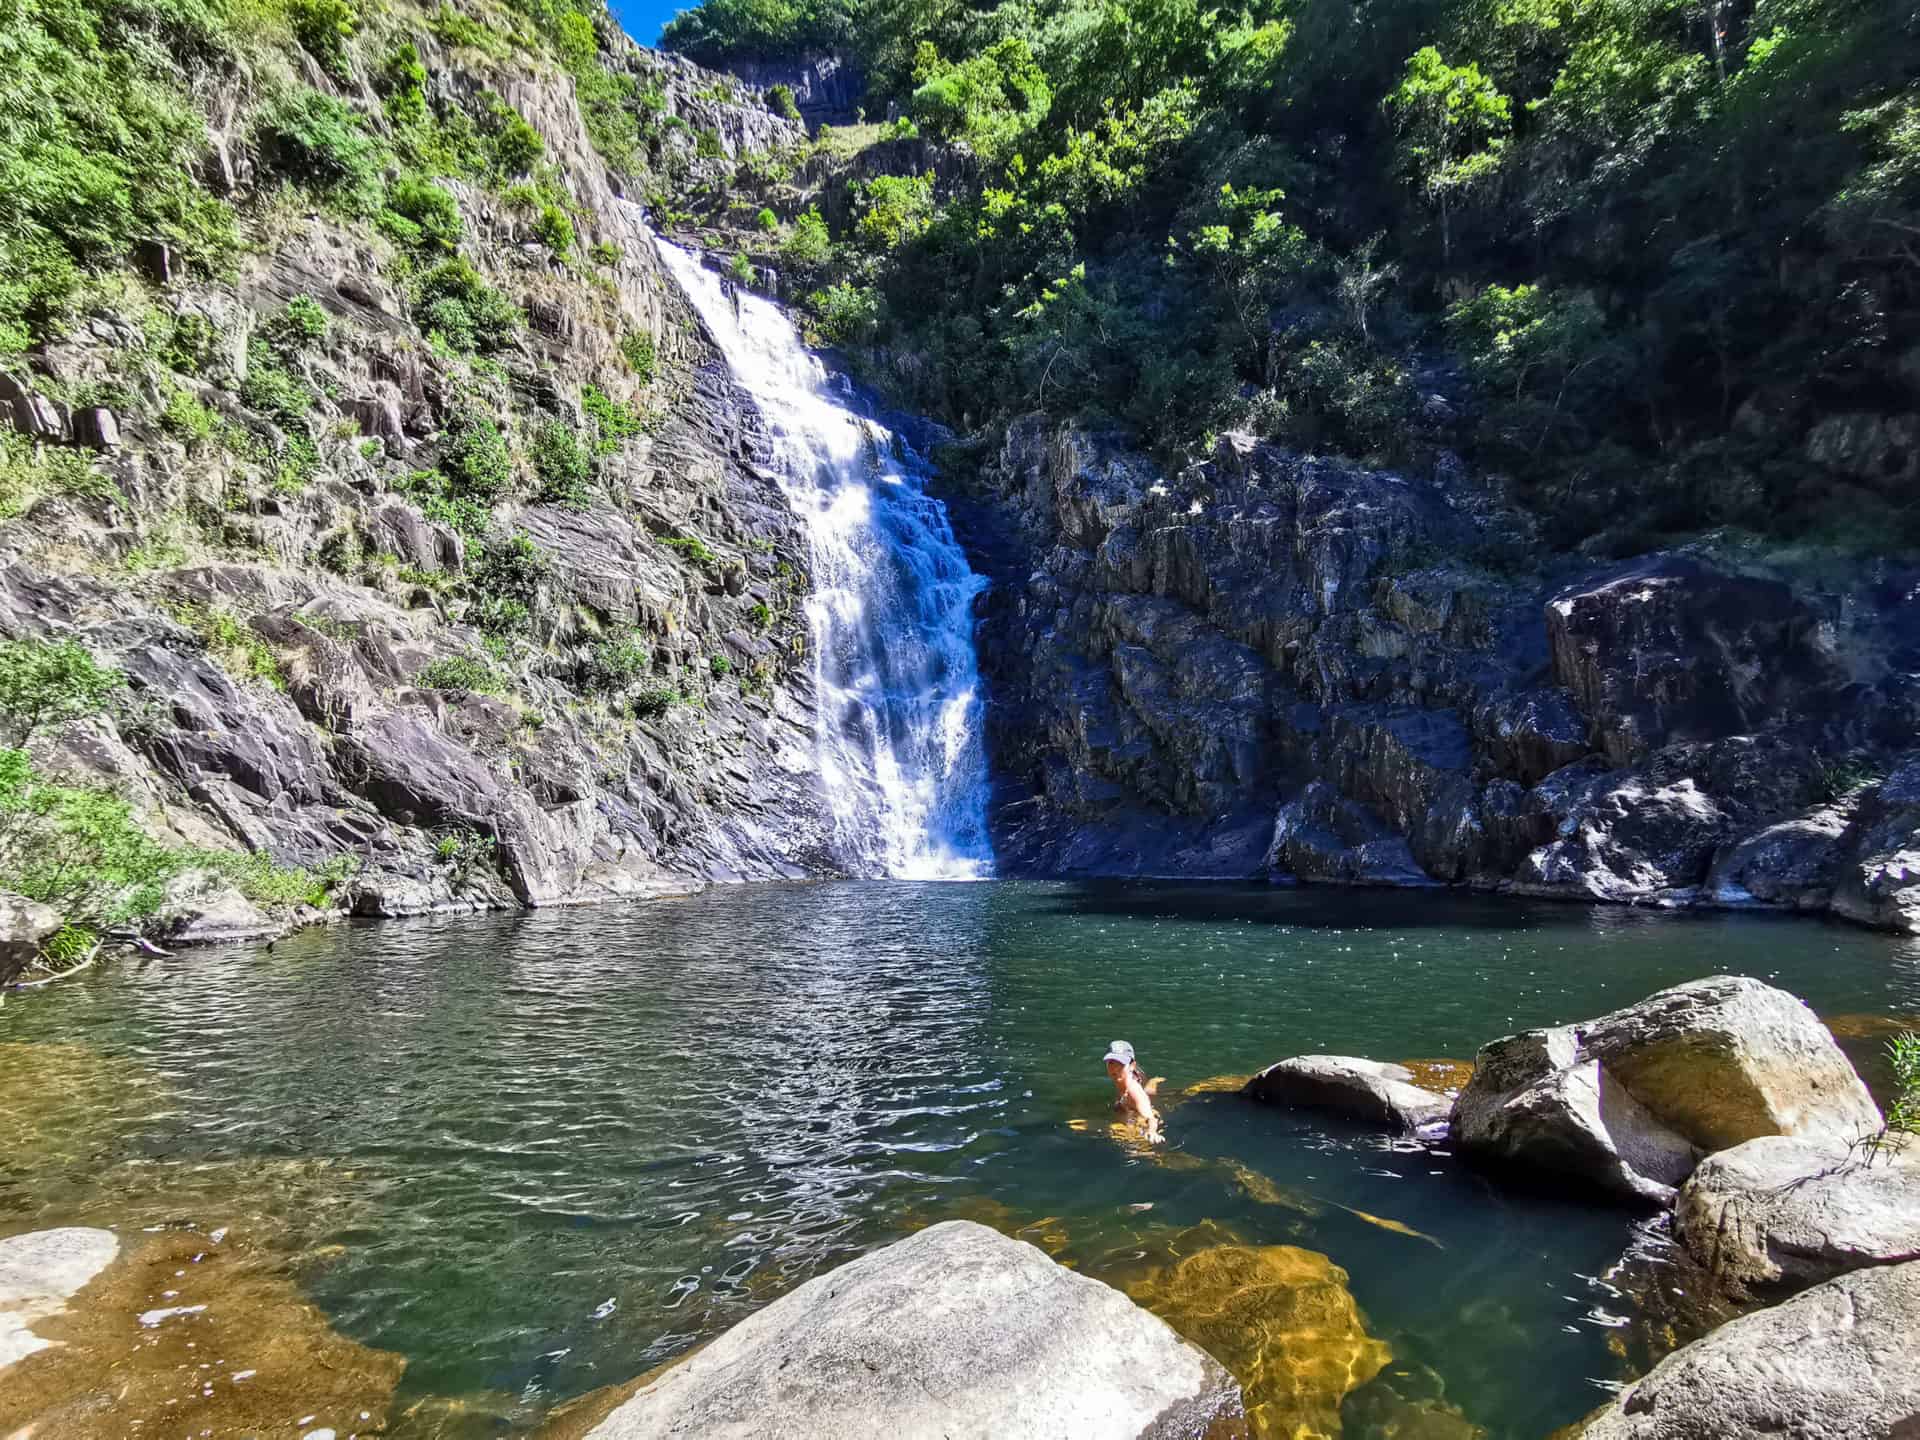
{"points": [[898, 736]]}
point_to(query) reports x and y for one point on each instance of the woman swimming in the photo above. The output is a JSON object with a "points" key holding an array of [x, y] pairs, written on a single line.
{"points": [[1132, 1090]]}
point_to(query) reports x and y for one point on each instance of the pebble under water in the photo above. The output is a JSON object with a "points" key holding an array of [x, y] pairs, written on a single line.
{"points": [[538, 1154]]}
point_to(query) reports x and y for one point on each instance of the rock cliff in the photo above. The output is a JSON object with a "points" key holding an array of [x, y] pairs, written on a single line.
{"points": [[430, 538], [1275, 663]]}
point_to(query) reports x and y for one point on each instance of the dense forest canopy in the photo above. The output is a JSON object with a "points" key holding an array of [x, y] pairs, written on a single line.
{"points": [[1655, 262]]}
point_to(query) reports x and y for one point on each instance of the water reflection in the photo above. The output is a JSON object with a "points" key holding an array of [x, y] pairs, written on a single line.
{"points": [[538, 1154]]}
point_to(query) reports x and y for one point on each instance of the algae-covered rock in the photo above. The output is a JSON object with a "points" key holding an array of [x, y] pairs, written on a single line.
{"points": [[1281, 1319], [196, 1334], [954, 1332]]}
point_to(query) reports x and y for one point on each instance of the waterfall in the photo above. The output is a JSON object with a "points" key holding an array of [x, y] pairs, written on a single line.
{"points": [[898, 733]]}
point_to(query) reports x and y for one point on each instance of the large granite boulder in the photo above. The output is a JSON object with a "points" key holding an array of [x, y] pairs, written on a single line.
{"points": [[1836, 1363], [1375, 1091], [1780, 1214], [39, 1273], [25, 926], [956, 1331], [1632, 1100]]}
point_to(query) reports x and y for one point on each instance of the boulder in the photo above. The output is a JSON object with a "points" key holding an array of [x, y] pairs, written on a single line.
{"points": [[220, 915], [956, 1331], [25, 925], [1781, 1214], [1879, 872], [1835, 1363], [1631, 1101], [1375, 1091], [39, 1273]]}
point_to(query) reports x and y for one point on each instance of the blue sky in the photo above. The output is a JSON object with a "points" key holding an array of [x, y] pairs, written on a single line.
{"points": [[642, 19]]}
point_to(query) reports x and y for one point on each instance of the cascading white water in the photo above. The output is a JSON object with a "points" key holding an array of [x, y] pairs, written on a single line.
{"points": [[899, 732]]}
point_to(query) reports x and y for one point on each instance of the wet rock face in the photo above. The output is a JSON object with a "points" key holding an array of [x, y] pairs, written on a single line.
{"points": [[1630, 1102], [1170, 657], [1835, 1363], [956, 1331]]}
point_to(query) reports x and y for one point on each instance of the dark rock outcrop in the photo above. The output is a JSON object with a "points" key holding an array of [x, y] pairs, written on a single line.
{"points": [[956, 1331], [1388, 667]]}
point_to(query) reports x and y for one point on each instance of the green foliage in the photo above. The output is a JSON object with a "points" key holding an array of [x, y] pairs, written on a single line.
{"points": [[615, 662], [505, 584], [781, 102], [324, 144], [563, 466], [323, 28], [638, 349], [98, 147], [420, 215], [993, 101], [760, 615], [78, 849], [402, 83], [1453, 119], [893, 210], [719, 30], [605, 252], [706, 144], [613, 423], [554, 229], [844, 313], [515, 145], [454, 301], [233, 643], [766, 220], [474, 456], [271, 388], [694, 548], [188, 419], [302, 325], [461, 30], [459, 514], [28, 474], [49, 682], [654, 702], [808, 242], [740, 268], [719, 666], [1903, 1056], [466, 673]]}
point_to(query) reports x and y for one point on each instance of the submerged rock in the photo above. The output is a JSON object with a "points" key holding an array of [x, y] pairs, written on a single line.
{"points": [[1833, 1364], [196, 1334], [956, 1331], [39, 1273], [1282, 1319], [1779, 1213], [1371, 1090], [1631, 1101]]}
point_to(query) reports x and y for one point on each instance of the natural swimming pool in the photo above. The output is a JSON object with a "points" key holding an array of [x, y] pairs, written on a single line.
{"points": [[536, 1154]]}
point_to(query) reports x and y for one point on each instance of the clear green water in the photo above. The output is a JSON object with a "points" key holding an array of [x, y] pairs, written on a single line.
{"points": [[539, 1154]]}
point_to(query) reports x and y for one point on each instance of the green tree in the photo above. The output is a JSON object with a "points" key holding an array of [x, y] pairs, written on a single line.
{"points": [[1452, 121]]}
